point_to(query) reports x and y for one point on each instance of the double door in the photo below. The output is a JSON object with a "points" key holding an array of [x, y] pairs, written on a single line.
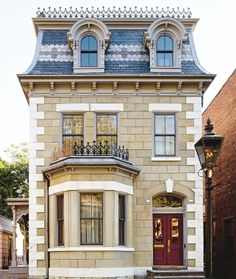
{"points": [[168, 239]]}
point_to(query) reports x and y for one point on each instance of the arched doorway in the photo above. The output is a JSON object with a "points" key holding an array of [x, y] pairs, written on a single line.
{"points": [[167, 230]]}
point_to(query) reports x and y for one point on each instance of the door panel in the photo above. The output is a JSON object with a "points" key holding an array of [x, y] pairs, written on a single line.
{"points": [[167, 239]]}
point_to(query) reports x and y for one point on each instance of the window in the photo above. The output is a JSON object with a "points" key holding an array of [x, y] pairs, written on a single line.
{"points": [[164, 49], [166, 201], [165, 135], [89, 52], [60, 220], [228, 237], [107, 129], [121, 220], [91, 218], [72, 129]]}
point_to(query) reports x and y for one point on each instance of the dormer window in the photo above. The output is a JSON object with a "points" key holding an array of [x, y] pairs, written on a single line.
{"points": [[89, 51], [88, 38], [164, 40], [164, 51]]}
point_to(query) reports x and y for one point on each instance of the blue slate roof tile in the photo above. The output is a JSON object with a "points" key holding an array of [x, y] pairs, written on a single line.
{"points": [[119, 57], [52, 68], [55, 37]]}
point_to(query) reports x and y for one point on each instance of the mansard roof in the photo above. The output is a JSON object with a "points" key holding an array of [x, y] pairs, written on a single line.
{"points": [[126, 52]]}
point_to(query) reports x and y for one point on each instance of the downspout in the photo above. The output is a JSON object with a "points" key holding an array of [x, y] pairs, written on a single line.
{"points": [[47, 256]]}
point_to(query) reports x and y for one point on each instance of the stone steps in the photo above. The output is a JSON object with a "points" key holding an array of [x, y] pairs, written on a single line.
{"points": [[174, 274]]}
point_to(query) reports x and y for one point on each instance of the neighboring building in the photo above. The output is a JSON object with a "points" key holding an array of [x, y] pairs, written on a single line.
{"points": [[222, 112], [6, 231], [123, 78]]}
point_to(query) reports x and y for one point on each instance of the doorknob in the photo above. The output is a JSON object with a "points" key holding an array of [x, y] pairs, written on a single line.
{"points": [[168, 246]]}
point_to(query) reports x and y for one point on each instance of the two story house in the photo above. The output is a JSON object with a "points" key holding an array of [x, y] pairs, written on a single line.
{"points": [[115, 109]]}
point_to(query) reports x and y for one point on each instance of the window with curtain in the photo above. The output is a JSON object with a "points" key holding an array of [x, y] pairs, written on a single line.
{"points": [[91, 218], [72, 130], [60, 219], [164, 134], [164, 51], [89, 52], [121, 220], [107, 129]]}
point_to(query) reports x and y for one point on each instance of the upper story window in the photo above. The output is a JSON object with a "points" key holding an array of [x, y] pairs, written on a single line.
{"points": [[72, 129], [89, 51], [89, 38], [91, 218], [164, 40], [164, 51], [164, 135], [107, 129]]}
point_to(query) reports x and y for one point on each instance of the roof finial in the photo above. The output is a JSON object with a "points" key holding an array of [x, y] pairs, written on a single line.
{"points": [[209, 127]]}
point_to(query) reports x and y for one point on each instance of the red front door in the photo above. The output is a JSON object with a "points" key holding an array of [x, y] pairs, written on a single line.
{"points": [[167, 239]]}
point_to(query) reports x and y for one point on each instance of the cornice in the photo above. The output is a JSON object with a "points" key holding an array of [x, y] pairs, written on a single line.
{"points": [[112, 23], [145, 85]]}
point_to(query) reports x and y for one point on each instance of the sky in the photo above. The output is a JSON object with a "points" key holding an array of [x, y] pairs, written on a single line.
{"points": [[214, 37]]}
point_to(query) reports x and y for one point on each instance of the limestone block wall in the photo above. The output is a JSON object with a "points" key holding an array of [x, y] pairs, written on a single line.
{"points": [[135, 131]]}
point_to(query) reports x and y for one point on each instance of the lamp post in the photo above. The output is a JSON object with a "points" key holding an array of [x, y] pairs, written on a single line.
{"points": [[208, 149]]}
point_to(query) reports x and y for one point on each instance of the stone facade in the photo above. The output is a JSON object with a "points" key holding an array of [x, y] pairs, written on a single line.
{"points": [[222, 113], [128, 89]]}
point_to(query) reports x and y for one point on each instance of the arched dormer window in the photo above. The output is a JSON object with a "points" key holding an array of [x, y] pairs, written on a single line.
{"points": [[88, 52], [88, 38], [164, 39], [164, 51]]}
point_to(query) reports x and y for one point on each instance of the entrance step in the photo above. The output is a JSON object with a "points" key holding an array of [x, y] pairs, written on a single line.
{"points": [[174, 274]]}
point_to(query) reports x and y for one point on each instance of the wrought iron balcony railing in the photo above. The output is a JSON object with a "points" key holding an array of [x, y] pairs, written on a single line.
{"points": [[88, 150]]}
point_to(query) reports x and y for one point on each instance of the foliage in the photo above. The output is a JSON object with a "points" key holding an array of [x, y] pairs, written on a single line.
{"points": [[14, 182]]}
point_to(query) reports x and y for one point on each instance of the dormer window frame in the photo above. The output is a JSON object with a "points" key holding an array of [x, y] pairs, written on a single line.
{"points": [[165, 50], [88, 27], [176, 31], [81, 51]]}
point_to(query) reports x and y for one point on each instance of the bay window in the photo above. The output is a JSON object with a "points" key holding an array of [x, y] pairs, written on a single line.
{"points": [[91, 218]]}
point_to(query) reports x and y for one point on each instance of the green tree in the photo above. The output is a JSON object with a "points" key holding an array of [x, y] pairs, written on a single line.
{"points": [[14, 173]]}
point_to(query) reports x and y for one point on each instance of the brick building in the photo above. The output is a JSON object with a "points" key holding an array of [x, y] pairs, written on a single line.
{"points": [[129, 83], [222, 111]]}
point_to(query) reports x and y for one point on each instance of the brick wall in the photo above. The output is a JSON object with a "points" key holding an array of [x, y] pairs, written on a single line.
{"points": [[222, 112]]}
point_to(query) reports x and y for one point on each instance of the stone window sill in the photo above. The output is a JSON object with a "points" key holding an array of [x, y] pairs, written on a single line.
{"points": [[91, 248], [159, 159]]}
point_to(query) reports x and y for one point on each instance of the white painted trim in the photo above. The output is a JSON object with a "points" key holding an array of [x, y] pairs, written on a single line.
{"points": [[37, 271], [91, 248], [165, 107], [98, 272], [107, 107], [91, 186], [159, 159], [194, 100], [72, 107]]}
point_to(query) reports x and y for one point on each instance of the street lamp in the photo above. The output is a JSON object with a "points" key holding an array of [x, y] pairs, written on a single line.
{"points": [[208, 149]]}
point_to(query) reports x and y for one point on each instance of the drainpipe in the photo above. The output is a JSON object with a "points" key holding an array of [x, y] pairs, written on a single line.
{"points": [[47, 256]]}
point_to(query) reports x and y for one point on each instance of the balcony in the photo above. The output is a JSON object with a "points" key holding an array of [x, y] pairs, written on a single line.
{"points": [[92, 158], [92, 150]]}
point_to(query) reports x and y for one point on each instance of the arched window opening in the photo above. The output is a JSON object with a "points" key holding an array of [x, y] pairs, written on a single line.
{"points": [[89, 51], [167, 201], [164, 49]]}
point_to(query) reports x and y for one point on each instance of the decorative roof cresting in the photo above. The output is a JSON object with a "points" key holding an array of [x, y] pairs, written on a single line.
{"points": [[113, 12]]}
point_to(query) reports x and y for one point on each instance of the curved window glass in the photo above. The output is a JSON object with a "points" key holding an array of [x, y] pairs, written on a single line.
{"points": [[165, 51], [89, 52], [166, 201]]}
